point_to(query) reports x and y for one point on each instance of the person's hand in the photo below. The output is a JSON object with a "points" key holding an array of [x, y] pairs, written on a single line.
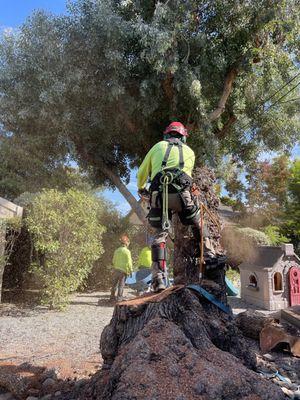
{"points": [[143, 193]]}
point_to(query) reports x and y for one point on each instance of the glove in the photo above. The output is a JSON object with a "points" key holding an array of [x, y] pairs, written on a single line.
{"points": [[143, 193]]}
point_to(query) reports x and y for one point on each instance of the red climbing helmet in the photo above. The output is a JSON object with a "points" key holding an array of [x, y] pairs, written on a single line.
{"points": [[176, 127]]}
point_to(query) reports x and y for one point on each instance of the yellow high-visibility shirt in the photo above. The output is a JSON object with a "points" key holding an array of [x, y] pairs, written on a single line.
{"points": [[145, 257], [122, 260], [154, 158]]}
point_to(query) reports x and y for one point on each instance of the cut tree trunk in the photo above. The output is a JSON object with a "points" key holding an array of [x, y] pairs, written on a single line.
{"points": [[177, 346]]}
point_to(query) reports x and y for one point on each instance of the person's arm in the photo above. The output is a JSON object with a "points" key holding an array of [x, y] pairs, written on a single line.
{"points": [[129, 263], [144, 171]]}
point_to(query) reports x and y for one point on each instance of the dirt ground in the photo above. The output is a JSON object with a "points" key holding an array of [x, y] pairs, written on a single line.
{"points": [[67, 341]]}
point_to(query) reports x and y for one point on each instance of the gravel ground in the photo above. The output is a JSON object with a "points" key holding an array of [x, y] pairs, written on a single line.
{"points": [[66, 340]]}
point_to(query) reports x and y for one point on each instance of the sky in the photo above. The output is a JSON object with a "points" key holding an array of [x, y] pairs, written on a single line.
{"points": [[13, 13]]}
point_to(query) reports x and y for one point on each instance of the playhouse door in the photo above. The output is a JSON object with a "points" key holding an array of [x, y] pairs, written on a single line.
{"points": [[294, 275]]}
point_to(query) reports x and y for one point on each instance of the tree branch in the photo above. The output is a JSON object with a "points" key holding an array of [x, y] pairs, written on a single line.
{"points": [[134, 204], [227, 89]]}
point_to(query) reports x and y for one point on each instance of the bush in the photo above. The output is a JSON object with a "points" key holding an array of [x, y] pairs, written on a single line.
{"points": [[274, 235], [67, 238]]}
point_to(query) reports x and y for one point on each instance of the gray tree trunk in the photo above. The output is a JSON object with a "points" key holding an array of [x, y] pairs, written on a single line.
{"points": [[2, 257]]}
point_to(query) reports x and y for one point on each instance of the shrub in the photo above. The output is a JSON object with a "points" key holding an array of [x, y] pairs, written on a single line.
{"points": [[67, 238], [274, 235]]}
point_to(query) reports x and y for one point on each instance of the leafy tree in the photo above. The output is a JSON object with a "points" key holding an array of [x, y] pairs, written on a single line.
{"points": [[100, 84], [67, 238], [274, 235], [291, 226], [27, 167], [266, 189], [260, 191]]}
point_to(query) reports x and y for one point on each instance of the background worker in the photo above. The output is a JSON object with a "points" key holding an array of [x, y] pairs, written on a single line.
{"points": [[122, 264], [173, 160]]}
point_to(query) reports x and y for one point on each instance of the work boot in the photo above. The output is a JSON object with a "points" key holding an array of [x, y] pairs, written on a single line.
{"points": [[158, 285]]}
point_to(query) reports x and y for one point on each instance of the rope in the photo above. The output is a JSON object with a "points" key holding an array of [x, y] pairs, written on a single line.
{"points": [[166, 179]]}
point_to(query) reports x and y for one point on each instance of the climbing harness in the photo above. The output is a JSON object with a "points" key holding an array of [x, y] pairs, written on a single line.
{"points": [[167, 178], [210, 297]]}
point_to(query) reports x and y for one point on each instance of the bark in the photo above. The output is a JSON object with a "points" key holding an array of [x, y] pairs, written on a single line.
{"points": [[1, 278], [180, 347], [134, 204], [187, 267], [252, 322], [2, 257], [227, 89]]}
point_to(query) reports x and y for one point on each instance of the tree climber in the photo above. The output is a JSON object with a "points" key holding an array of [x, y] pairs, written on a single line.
{"points": [[170, 164]]}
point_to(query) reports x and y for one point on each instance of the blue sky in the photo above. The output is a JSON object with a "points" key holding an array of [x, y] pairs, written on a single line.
{"points": [[14, 12]]}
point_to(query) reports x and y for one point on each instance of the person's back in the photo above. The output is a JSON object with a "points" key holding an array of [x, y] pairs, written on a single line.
{"points": [[122, 259], [145, 258], [122, 264], [152, 164]]}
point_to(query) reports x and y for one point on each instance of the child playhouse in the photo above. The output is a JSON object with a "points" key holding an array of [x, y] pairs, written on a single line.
{"points": [[270, 278]]}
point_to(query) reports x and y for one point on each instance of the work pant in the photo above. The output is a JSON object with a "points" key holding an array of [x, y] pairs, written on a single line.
{"points": [[184, 205], [118, 282]]}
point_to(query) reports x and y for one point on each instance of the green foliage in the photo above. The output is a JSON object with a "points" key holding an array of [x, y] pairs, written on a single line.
{"points": [[116, 225], [67, 237], [274, 235], [9, 231], [100, 84], [291, 218], [234, 276], [256, 237]]}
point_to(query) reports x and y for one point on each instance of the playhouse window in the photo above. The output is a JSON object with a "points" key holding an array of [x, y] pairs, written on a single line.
{"points": [[252, 281], [277, 281]]}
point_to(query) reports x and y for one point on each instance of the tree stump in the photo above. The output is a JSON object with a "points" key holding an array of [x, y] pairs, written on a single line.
{"points": [[176, 345]]}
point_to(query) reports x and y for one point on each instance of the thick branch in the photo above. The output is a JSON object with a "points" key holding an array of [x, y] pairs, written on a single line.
{"points": [[227, 89], [134, 204]]}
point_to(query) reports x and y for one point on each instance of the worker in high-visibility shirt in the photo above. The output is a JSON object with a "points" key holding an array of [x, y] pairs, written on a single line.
{"points": [[145, 258], [122, 264], [170, 157]]}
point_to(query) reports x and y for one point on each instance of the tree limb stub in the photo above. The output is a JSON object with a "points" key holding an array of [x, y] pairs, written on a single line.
{"points": [[227, 89]]}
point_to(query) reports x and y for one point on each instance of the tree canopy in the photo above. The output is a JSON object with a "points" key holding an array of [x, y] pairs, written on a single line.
{"points": [[100, 84]]}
